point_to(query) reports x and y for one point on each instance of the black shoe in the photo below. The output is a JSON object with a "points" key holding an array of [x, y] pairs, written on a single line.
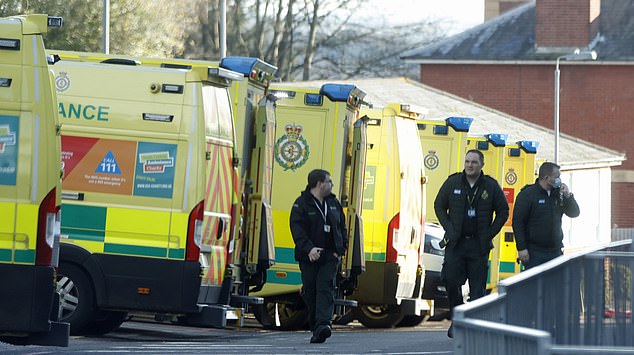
{"points": [[450, 331], [320, 335]]}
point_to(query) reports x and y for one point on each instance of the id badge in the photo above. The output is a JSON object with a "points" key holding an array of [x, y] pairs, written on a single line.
{"points": [[326, 228], [471, 212]]}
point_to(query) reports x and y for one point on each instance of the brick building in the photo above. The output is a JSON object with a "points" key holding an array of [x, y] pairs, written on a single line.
{"points": [[508, 62]]}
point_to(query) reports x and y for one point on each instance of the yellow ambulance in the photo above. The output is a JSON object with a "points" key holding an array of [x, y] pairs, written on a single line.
{"points": [[493, 147], [444, 144], [390, 290], [317, 127], [149, 179], [30, 185], [519, 170], [254, 125]]}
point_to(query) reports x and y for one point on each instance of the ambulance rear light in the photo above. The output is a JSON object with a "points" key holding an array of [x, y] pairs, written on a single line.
{"points": [[498, 140], [5, 82], [12, 44], [225, 73], [460, 124], [391, 254], [172, 88], [313, 99], [529, 146], [157, 117], [55, 22], [441, 130], [195, 232], [46, 223], [253, 75]]}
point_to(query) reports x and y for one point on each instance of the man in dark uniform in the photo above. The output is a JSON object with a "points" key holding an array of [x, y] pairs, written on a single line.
{"points": [[464, 206], [318, 227], [537, 217]]}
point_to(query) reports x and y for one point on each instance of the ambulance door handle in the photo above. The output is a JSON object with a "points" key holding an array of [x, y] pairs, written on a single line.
{"points": [[221, 227], [77, 196]]}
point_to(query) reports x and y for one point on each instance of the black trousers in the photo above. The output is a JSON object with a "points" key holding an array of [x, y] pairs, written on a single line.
{"points": [[538, 256], [318, 289], [465, 262]]}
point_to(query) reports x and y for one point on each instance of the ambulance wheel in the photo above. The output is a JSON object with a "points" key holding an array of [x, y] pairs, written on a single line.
{"points": [[411, 320], [292, 314], [379, 316], [76, 298], [109, 321]]}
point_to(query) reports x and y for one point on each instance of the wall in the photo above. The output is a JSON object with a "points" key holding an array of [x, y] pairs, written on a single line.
{"points": [[596, 104]]}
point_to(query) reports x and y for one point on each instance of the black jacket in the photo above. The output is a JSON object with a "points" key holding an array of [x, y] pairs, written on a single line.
{"points": [[307, 225], [451, 205], [537, 217]]}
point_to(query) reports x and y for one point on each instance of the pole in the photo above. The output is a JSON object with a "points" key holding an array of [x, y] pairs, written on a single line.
{"points": [[105, 26], [557, 112], [223, 28]]}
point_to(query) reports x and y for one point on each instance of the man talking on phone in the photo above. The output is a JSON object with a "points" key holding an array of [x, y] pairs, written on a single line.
{"points": [[318, 226], [537, 217]]}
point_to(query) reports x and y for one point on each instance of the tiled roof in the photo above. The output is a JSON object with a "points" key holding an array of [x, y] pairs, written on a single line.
{"points": [[574, 153], [511, 37]]}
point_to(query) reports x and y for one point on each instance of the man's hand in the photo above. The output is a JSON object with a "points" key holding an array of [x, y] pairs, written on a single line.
{"points": [[523, 256], [565, 190], [314, 254]]}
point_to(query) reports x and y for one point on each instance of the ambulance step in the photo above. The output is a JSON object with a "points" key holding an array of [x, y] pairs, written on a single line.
{"points": [[346, 303], [214, 315], [239, 299]]}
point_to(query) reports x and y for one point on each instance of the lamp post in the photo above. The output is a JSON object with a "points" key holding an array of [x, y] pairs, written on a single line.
{"points": [[577, 55]]}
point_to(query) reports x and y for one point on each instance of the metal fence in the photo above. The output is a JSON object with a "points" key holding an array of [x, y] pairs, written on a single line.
{"points": [[575, 304]]}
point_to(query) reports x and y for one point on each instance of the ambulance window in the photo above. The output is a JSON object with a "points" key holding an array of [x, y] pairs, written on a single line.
{"points": [[224, 114], [218, 119]]}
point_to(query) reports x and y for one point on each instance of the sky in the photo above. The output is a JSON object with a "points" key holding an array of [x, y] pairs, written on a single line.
{"points": [[459, 14]]}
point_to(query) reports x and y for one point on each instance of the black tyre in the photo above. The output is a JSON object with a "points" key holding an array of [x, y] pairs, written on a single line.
{"points": [[107, 322], [292, 314], [378, 316], [412, 320], [76, 298]]}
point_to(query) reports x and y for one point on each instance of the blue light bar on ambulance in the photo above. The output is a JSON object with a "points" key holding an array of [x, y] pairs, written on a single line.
{"points": [[245, 65], [225, 73], [497, 139], [313, 99], [460, 124], [337, 92], [5, 82], [54, 22], [482, 145], [8, 43], [441, 130], [529, 146]]}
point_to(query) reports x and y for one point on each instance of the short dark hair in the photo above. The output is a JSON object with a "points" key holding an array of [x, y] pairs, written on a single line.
{"points": [[315, 176], [479, 153], [546, 169]]}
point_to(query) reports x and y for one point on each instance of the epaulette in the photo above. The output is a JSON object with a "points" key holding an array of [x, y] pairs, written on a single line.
{"points": [[456, 173]]}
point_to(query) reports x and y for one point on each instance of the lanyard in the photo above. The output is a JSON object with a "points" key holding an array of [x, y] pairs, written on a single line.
{"points": [[470, 200], [323, 213]]}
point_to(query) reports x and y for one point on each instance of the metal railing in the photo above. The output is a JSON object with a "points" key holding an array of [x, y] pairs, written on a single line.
{"points": [[575, 304]]}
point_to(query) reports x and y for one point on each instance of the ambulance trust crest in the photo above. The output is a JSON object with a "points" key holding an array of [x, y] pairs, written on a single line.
{"points": [[291, 149]]}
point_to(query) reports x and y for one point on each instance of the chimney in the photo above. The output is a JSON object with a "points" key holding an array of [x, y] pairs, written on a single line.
{"points": [[563, 24]]}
